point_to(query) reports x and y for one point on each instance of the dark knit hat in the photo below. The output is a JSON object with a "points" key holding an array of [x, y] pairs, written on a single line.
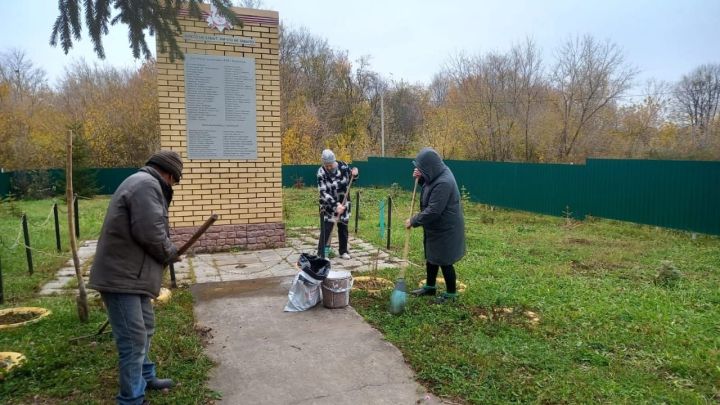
{"points": [[169, 162]]}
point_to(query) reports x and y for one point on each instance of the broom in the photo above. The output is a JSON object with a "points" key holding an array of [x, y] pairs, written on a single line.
{"points": [[398, 298]]}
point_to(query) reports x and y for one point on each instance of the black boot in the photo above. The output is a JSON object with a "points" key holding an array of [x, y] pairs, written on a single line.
{"points": [[159, 384], [424, 290]]}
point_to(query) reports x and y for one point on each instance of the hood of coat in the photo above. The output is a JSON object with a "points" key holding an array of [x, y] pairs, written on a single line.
{"points": [[429, 162]]}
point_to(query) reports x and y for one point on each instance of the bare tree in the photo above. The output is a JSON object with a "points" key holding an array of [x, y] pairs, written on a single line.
{"points": [[640, 121], [326, 102], [25, 82], [588, 77], [403, 117], [528, 82], [697, 96], [308, 72], [488, 93], [442, 136], [465, 76]]}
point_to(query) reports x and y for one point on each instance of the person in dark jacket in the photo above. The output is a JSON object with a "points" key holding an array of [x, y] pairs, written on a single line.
{"points": [[441, 217], [333, 180], [132, 251]]}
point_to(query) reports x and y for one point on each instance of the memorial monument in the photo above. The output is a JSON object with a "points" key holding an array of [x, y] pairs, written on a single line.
{"points": [[220, 109]]}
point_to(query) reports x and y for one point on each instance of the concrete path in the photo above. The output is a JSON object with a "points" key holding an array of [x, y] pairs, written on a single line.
{"points": [[319, 356], [267, 356], [66, 274]]}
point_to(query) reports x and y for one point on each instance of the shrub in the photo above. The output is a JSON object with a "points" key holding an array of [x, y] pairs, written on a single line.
{"points": [[668, 275], [32, 184]]}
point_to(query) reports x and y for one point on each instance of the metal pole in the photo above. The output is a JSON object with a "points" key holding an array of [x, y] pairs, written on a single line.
{"points": [[389, 225], [382, 124], [77, 218], [357, 209], [28, 252], [57, 227]]}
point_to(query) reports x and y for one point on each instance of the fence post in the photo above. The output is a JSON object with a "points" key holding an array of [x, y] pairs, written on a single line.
{"points": [[77, 217], [173, 283], [357, 209], [57, 227], [2, 295], [389, 225], [28, 252]]}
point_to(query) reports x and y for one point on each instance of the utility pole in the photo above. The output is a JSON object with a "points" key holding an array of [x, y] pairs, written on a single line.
{"points": [[382, 124]]}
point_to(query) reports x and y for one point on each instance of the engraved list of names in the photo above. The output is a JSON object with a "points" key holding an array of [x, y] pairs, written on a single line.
{"points": [[220, 107]]}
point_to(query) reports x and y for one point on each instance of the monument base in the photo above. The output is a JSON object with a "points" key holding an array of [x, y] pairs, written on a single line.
{"points": [[225, 237]]}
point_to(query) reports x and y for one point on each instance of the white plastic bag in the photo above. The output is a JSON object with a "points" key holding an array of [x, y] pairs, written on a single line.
{"points": [[304, 293]]}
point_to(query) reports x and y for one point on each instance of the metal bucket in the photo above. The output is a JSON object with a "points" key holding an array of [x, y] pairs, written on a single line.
{"points": [[336, 289]]}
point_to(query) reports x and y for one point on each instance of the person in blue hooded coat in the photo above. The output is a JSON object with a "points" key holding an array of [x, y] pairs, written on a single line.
{"points": [[441, 217]]}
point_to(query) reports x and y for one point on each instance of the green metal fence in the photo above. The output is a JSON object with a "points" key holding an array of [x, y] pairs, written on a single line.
{"points": [[105, 180], [108, 180], [674, 194]]}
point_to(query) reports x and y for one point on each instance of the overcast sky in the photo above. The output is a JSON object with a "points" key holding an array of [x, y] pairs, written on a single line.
{"points": [[413, 39]]}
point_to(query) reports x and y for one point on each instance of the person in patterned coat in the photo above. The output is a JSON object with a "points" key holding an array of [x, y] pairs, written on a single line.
{"points": [[333, 180]]}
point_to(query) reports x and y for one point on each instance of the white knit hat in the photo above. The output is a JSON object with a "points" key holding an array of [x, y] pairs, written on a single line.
{"points": [[328, 156]]}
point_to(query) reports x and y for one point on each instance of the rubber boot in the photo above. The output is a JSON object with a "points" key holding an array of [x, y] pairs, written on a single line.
{"points": [[446, 297], [424, 290]]}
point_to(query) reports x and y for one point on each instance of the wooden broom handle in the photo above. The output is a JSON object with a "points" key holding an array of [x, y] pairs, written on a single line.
{"points": [[406, 249], [336, 218], [211, 220]]}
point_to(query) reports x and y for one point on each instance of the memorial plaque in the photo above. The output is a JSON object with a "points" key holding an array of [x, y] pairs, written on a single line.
{"points": [[220, 107]]}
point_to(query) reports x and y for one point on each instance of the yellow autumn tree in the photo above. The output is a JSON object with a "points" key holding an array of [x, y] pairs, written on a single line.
{"points": [[299, 140]]}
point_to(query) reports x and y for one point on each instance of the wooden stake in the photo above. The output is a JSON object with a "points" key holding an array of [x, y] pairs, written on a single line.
{"points": [[81, 299]]}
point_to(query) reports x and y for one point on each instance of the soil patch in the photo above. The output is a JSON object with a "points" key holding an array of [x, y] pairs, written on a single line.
{"points": [[506, 314], [16, 317], [372, 285]]}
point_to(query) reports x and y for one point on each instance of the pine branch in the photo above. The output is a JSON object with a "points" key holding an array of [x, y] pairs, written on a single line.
{"points": [[159, 17]]}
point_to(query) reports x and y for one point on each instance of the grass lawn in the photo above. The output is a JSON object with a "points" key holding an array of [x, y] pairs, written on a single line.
{"points": [[58, 371], [555, 311]]}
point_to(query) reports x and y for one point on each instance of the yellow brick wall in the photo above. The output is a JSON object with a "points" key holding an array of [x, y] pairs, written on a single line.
{"points": [[241, 192]]}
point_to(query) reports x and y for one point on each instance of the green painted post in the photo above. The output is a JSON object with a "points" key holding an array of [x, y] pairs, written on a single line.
{"points": [[389, 222]]}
